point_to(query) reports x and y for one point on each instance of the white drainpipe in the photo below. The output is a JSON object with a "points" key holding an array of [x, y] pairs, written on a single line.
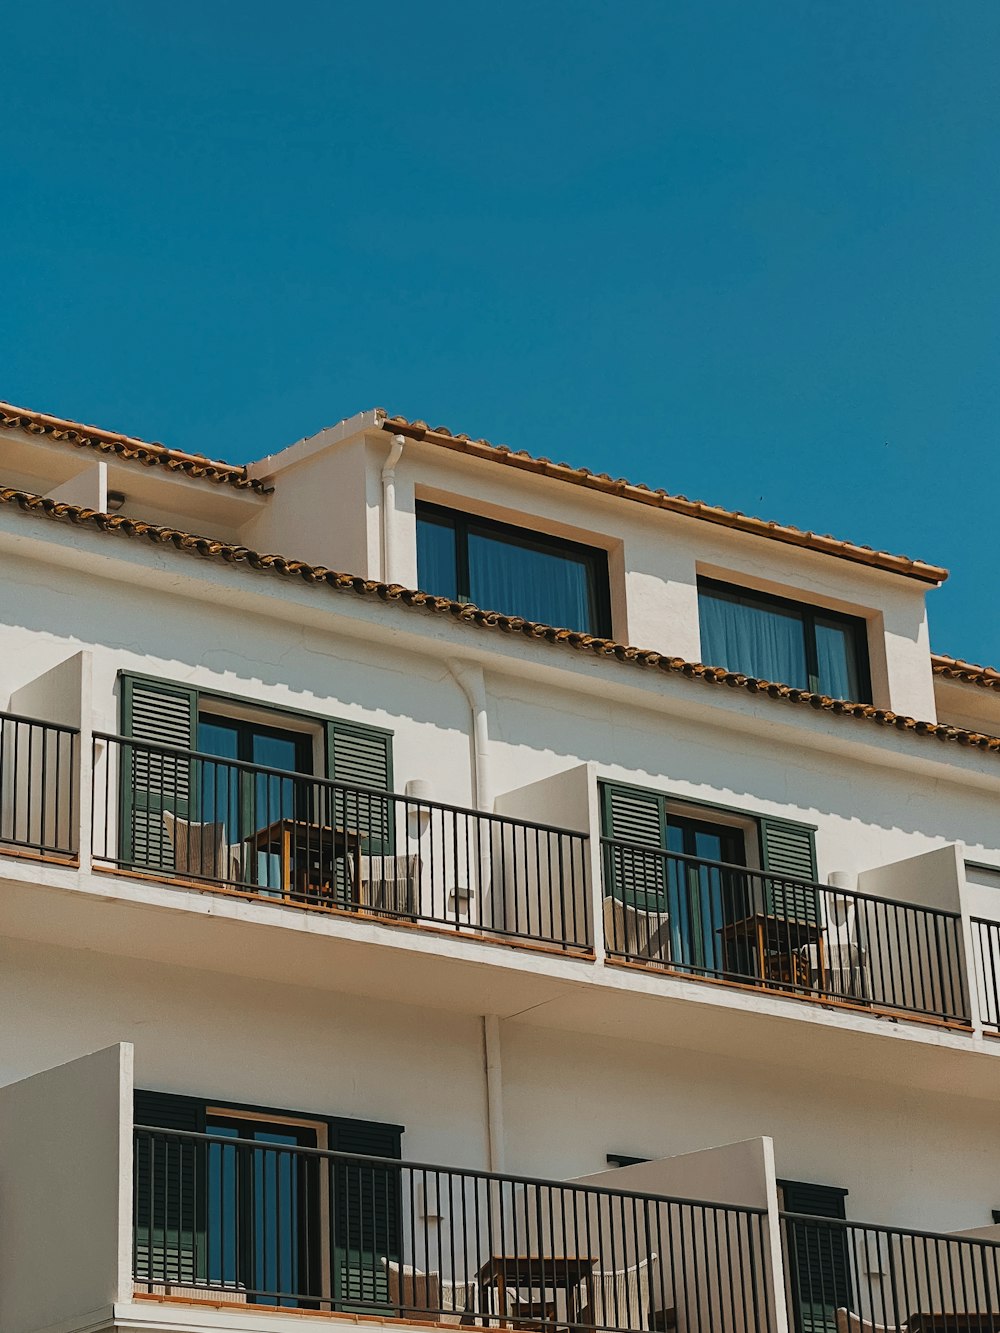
{"points": [[472, 682], [389, 508], [494, 1091]]}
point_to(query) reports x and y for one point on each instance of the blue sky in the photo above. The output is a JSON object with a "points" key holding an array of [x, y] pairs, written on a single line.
{"points": [[748, 252]]}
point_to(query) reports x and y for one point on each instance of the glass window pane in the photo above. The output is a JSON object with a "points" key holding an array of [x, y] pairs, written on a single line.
{"points": [[217, 738], [275, 751], [219, 784], [837, 660], [519, 580], [767, 642], [436, 557]]}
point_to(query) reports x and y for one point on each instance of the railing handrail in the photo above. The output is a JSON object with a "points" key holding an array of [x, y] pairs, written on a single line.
{"points": [[317, 779], [472, 1173], [39, 722], [777, 875], [885, 1229]]}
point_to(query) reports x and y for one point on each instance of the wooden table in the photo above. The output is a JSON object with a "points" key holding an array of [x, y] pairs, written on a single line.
{"points": [[308, 855], [546, 1274], [777, 943]]}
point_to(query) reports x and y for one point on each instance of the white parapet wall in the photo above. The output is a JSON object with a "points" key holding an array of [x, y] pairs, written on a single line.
{"points": [[920, 960], [710, 1262], [66, 1192]]}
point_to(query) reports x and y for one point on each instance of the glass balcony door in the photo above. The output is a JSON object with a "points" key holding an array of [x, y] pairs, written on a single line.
{"points": [[265, 1220], [702, 898], [246, 802]]}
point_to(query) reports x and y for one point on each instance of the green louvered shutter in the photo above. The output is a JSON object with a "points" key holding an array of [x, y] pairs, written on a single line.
{"points": [[170, 1191], [361, 756], [151, 782], [789, 849], [367, 1214], [819, 1259], [630, 815]]}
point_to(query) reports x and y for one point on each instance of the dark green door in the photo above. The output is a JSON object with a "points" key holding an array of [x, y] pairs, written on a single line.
{"points": [[818, 1255]]}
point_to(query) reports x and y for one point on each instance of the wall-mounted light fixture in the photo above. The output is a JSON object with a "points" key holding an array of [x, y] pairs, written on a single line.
{"points": [[418, 790]]}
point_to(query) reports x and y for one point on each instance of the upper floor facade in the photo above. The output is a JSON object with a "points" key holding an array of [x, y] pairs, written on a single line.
{"points": [[513, 870], [609, 827]]}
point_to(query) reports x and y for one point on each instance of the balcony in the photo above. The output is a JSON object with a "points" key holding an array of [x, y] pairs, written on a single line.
{"points": [[246, 829], [251, 1225], [241, 1222], [669, 912], [852, 1277]]}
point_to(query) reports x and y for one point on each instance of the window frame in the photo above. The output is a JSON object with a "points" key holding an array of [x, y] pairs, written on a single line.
{"points": [[809, 613], [464, 524], [246, 728]]}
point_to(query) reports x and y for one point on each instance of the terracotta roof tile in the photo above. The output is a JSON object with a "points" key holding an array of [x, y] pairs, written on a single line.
{"points": [[126, 447], [660, 499], [953, 668], [466, 613]]}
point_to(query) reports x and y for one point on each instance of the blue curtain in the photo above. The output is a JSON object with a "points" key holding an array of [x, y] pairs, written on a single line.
{"points": [[436, 565], [760, 641], [835, 655], [519, 581]]}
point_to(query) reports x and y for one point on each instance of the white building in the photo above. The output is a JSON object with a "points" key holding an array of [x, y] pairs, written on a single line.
{"points": [[317, 879]]}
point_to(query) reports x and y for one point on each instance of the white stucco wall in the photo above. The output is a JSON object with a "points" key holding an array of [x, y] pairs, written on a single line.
{"points": [[569, 1098], [886, 1146], [321, 512], [326, 509], [239, 1040], [65, 1186], [875, 798], [658, 557]]}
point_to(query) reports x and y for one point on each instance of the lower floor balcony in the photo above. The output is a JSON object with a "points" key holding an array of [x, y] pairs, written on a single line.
{"points": [[254, 1217], [249, 1220], [262, 1215], [852, 1277]]}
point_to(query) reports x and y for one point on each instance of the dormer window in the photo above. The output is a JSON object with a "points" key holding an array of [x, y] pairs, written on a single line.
{"points": [[513, 570], [791, 643]]}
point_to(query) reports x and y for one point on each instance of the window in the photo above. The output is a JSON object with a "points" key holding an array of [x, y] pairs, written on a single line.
{"points": [[254, 1210], [784, 641], [202, 790], [513, 570], [679, 871]]}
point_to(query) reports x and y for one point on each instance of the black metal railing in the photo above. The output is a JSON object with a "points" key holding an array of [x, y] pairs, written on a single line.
{"points": [[267, 1223], [713, 919], [885, 1278], [986, 961], [309, 841], [39, 809]]}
